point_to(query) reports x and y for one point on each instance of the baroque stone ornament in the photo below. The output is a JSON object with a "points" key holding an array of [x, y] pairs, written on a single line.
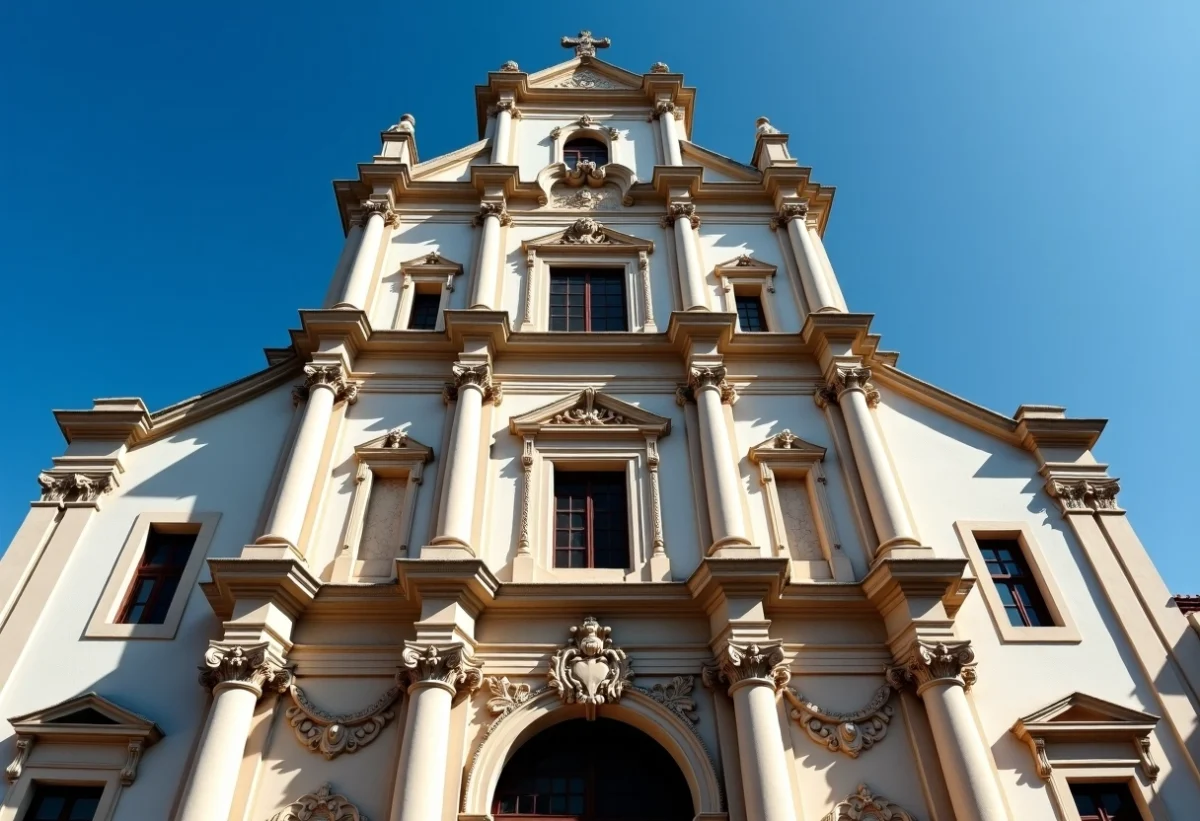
{"points": [[331, 735], [510, 65], [664, 107], [789, 212], [848, 379], [506, 696], [699, 378], [740, 663], [659, 68], [587, 199], [863, 805], [250, 667], [680, 210], [505, 105], [1085, 495], [330, 376], [585, 231], [450, 666], [589, 670], [478, 375], [492, 209], [588, 413], [848, 733], [323, 805], [584, 44], [585, 172], [408, 123], [676, 697], [73, 487], [587, 80], [763, 126], [395, 439], [928, 663], [370, 208]]}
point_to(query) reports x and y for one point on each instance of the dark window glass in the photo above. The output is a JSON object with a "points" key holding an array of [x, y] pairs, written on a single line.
{"points": [[584, 299], [1099, 801], [599, 770], [1018, 589], [750, 314], [157, 578], [585, 148], [424, 314], [590, 522], [61, 802]]}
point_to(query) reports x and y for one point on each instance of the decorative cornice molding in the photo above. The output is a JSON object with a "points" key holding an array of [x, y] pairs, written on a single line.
{"points": [[676, 697], [323, 805], [680, 210], [74, 487], [790, 211], [492, 209], [847, 379], [589, 670], [738, 664], [506, 696], [928, 663], [1085, 495], [848, 733], [702, 377], [330, 376], [251, 667], [477, 375], [863, 804], [331, 735], [450, 665]]}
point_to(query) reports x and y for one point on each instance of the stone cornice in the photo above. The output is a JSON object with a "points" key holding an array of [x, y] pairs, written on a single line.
{"points": [[286, 582], [121, 419]]}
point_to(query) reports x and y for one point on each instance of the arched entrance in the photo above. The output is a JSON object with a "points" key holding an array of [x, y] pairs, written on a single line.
{"points": [[602, 770]]}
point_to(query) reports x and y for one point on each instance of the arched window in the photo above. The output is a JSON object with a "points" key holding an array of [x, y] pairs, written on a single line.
{"points": [[602, 770], [584, 148]]}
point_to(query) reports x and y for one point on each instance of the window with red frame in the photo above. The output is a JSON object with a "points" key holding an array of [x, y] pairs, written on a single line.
{"points": [[64, 802], [1018, 589], [157, 578], [585, 148], [1100, 801], [587, 299], [591, 525]]}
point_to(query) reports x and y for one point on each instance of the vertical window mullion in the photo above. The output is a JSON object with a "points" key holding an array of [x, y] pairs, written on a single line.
{"points": [[587, 301], [589, 523]]}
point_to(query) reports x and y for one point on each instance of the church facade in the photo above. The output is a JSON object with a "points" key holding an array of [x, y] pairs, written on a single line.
{"points": [[585, 495]]}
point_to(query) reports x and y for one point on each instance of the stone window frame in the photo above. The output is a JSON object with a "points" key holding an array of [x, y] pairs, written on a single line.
{"points": [[787, 456], [585, 126], [746, 275], [627, 440], [431, 273], [1064, 630], [103, 624], [394, 455]]}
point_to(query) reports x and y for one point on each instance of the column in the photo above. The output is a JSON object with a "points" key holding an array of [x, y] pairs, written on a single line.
{"points": [[664, 112], [472, 387], [377, 214], [237, 676], [754, 674], [491, 216], [817, 291], [503, 111], [814, 238], [682, 215], [852, 391], [435, 675], [721, 482], [323, 386], [942, 674]]}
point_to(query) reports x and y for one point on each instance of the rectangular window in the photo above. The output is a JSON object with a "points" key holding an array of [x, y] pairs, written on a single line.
{"points": [[1018, 589], [751, 318], [424, 313], [157, 578], [63, 802], [585, 299], [591, 526], [1099, 801]]}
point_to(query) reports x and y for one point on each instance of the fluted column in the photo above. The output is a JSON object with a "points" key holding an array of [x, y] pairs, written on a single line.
{"points": [[491, 216], [503, 111], [753, 675], [722, 486], [853, 392], [664, 112], [682, 215], [376, 214], [237, 676], [323, 386], [942, 674], [817, 289], [472, 387], [435, 674]]}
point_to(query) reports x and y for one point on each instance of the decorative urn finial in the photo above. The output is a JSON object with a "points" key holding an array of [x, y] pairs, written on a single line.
{"points": [[659, 68], [763, 126]]}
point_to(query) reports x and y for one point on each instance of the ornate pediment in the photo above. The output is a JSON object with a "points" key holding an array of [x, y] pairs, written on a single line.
{"points": [[590, 74], [395, 445], [786, 446], [587, 234], [589, 412], [1080, 718], [590, 671], [431, 266]]}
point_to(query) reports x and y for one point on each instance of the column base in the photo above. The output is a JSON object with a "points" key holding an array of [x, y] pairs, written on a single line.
{"points": [[734, 548], [447, 550], [660, 568], [271, 551]]}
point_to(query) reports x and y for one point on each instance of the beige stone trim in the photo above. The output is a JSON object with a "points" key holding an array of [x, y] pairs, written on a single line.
{"points": [[103, 624], [432, 274], [1059, 787], [20, 794], [1064, 630], [748, 276]]}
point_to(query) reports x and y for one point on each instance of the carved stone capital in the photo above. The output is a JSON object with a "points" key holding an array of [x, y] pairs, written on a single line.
{"points": [[590, 671], [700, 378], [505, 105], [848, 379], [251, 667], [790, 211], [928, 663], [680, 210], [1085, 495], [450, 666], [479, 376], [330, 376], [370, 208], [73, 487], [664, 107], [492, 209], [740, 664]]}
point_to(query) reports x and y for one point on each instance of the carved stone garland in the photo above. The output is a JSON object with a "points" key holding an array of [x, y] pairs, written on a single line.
{"points": [[588, 413], [862, 805], [323, 805], [331, 735], [848, 733], [589, 670]]}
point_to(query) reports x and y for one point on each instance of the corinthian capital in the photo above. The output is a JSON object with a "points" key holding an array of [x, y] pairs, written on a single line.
{"points": [[505, 105], [789, 212], [739, 663], [450, 665], [664, 107], [926, 663], [479, 376], [699, 378], [250, 667], [1085, 495], [848, 379], [372, 207], [73, 487], [329, 376], [492, 209], [680, 210]]}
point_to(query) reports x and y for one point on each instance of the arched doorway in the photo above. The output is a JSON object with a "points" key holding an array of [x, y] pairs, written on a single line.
{"points": [[602, 770]]}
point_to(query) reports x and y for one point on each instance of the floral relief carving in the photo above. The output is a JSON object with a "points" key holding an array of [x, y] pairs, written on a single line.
{"points": [[587, 199], [587, 79], [73, 487], [323, 805], [331, 735], [252, 667], [589, 670], [587, 412], [863, 805], [848, 733], [676, 697], [926, 663], [738, 663], [1085, 494], [506, 696], [585, 231], [449, 665]]}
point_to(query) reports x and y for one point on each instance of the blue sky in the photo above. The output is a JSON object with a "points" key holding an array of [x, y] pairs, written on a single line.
{"points": [[1017, 189]]}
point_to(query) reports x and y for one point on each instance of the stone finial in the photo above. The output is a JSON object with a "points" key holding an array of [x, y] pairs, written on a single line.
{"points": [[408, 123], [510, 65], [763, 126], [584, 44], [659, 68]]}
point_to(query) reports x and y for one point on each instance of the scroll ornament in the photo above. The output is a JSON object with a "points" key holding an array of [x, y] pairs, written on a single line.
{"points": [[863, 805], [676, 697], [848, 733], [589, 670], [331, 735], [506, 696], [323, 805]]}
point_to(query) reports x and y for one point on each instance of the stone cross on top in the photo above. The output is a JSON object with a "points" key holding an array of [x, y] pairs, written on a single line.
{"points": [[585, 45]]}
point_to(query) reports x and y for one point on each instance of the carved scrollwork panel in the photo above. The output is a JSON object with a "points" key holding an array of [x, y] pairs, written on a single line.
{"points": [[589, 670], [323, 805], [331, 735], [848, 733], [863, 805]]}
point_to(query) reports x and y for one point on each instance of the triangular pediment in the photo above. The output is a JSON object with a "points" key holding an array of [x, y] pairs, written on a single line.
{"points": [[455, 166], [747, 265], [589, 412], [586, 233], [85, 714], [395, 443], [1080, 709], [433, 264], [585, 75], [786, 445]]}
